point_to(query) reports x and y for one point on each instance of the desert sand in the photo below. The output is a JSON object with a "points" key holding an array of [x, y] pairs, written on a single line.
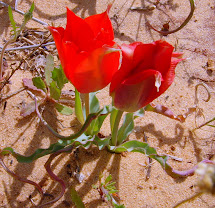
{"points": [[25, 134]]}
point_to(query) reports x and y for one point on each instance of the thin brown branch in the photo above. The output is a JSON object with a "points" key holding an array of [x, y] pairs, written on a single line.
{"points": [[12, 94], [14, 175], [55, 177], [165, 33]]}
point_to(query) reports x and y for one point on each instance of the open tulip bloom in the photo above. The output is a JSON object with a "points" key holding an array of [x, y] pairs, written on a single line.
{"points": [[146, 72], [87, 51]]}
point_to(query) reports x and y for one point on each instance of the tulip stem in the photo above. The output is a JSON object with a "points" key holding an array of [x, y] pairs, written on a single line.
{"points": [[87, 104], [116, 128]]}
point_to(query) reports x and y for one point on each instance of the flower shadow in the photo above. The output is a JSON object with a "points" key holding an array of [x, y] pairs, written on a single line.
{"points": [[105, 161], [162, 139], [41, 138]]}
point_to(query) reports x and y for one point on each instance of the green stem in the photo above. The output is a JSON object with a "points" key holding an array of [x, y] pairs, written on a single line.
{"points": [[2, 55], [87, 104], [85, 126], [116, 127]]}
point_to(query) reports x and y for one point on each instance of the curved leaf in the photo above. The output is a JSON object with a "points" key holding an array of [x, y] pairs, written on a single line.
{"points": [[126, 128], [39, 83], [49, 68], [83, 139], [144, 148], [101, 142], [113, 117], [63, 109], [59, 77], [55, 92], [78, 107], [76, 199], [96, 124], [94, 103]]}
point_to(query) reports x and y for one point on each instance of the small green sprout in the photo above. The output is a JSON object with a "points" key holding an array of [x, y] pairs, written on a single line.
{"points": [[108, 191]]}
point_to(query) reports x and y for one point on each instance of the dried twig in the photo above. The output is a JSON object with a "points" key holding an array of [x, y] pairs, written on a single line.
{"points": [[196, 92], [2, 55], [143, 9], [206, 100], [14, 175], [55, 177], [149, 162], [12, 94], [6, 81], [28, 47], [165, 33]]}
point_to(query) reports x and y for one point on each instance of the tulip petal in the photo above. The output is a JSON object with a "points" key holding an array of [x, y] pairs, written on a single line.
{"points": [[96, 71], [136, 92], [58, 34], [101, 25], [162, 57], [146, 72], [71, 58], [170, 75], [79, 32], [90, 72], [143, 57], [136, 57]]}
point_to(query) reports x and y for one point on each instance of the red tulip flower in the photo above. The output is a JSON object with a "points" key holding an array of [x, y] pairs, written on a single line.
{"points": [[86, 50], [146, 72]]}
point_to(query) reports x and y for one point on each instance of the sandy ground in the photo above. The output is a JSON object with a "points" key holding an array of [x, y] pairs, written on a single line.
{"points": [[196, 41]]}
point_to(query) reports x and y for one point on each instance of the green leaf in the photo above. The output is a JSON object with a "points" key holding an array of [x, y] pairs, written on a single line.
{"points": [[32, 8], [28, 15], [49, 68], [94, 103], [97, 123], [81, 140], [126, 128], [139, 113], [113, 191], [108, 179], [37, 154], [113, 115], [78, 107], [55, 92], [59, 77], [101, 142], [110, 186], [13, 23], [65, 110], [39, 83], [76, 199], [144, 148], [78, 138], [119, 206], [136, 146], [108, 197]]}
